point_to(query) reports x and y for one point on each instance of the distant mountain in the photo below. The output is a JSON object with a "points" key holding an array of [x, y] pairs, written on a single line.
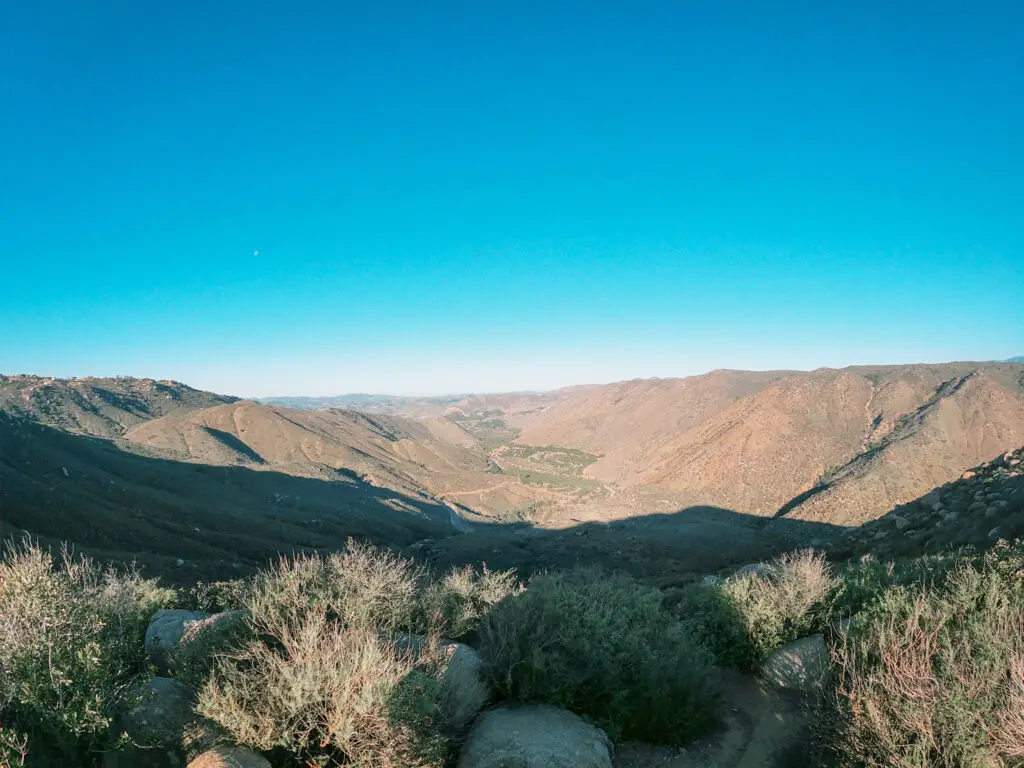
{"points": [[365, 402], [1017, 359], [102, 407], [107, 460]]}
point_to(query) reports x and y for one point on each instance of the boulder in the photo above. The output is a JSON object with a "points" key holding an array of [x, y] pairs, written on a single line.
{"points": [[170, 632], [800, 665], [466, 689], [166, 629], [930, 500], [899, 521], [230, 757], [159, 717], [154, 725], [534, 736]]}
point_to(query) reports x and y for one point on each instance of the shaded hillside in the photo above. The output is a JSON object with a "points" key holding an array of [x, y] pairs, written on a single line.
{"points": [[217, 519], [981, 506], [100, 407], [426, 458]]}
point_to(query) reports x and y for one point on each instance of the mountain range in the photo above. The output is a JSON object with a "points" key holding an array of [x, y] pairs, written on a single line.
{"points": [[156, 468]]}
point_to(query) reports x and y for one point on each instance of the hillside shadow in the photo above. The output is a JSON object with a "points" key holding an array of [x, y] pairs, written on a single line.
{"points": [[223, 521], [220, 520], [669, 549]]}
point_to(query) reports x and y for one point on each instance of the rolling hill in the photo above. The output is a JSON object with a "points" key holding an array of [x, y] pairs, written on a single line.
{"points": [[139, 466]]}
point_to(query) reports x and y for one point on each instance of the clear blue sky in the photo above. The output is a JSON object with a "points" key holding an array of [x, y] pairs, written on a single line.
{"points": [[503, 195]]}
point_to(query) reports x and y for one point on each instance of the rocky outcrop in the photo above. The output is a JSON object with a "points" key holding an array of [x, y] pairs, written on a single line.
{"points": [[534, 736], [172, 631], [985, 504]]}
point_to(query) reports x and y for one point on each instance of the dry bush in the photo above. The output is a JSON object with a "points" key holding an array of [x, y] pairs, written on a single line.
{"points": [[71, 645], [362, 586], [454, 605], [748, 616], [320, 675], [934, 675]]}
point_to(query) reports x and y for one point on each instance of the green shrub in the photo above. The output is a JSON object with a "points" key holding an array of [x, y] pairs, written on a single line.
{"points": [[748, 616], [864, 581], [933, 675], [454, 605], [603, 647], [215, 596], [13, 747], [71, 645]]}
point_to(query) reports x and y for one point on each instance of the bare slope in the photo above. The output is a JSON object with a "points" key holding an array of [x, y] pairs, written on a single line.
{"points": [[753, 442]]}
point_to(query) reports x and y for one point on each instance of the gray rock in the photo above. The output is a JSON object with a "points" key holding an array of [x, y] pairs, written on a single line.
{"points": [[165, 630], [930, 500], [976, 506], [159, 717], [880, 535], [466, 689], [230, 757], [951, 516], [900, 522], [995, 533], [534, 736], [800, 665]]}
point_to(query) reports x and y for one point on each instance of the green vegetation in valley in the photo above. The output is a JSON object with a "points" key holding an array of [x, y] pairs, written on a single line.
{"points": [[550, 480], [552, 457]]}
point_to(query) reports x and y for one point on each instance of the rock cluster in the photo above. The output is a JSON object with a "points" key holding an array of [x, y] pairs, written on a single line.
{"points": [[984, 505]]}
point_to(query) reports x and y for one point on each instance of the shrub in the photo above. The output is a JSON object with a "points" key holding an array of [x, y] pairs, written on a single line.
{"points": [[319, 673], [71, 644], [13, 748], [603, 647], [748, 616], [934, 675], [454, 605], [362, 586], [215, 596]]}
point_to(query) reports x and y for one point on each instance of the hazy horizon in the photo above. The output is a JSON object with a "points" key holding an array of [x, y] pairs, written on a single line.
{"points": [[314, 394], [273, 201]]}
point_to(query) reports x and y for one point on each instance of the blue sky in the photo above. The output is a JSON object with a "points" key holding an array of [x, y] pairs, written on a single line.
{"points": [[316, 198]]}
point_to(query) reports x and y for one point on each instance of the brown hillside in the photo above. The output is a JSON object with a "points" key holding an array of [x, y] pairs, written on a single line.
{"points": [[974, 419], [622, 423], [387, 450], [100, 407], [753, 442]]}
